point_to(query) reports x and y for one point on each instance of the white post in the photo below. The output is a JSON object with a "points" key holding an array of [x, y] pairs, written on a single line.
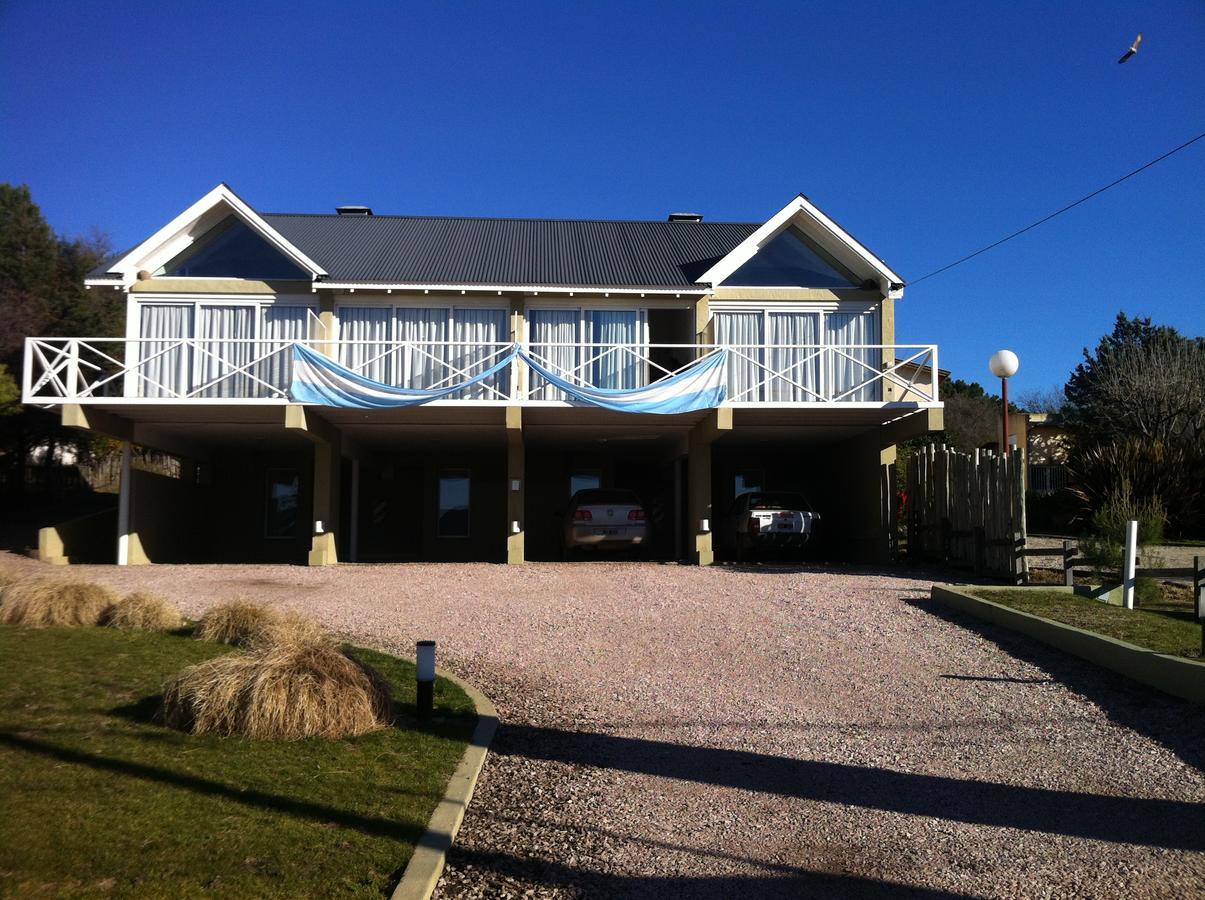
{"points": [[353, 543], [1130, 563], [123, 507]]}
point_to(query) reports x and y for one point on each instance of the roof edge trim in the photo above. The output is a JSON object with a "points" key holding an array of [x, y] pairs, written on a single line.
{"points": [[126, 265]]}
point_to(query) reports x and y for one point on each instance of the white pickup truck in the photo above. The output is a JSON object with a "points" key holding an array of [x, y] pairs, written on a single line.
{"points": [[762, 519]]}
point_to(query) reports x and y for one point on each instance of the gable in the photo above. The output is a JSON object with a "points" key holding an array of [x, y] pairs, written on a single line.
{"points": [[835, 249], [231, 249], [791, 260]]}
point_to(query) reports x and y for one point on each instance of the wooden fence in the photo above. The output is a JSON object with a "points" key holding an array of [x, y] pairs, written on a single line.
{"points": [[967, 510]]}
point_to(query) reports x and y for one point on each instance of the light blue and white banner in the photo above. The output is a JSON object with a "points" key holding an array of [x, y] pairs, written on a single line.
{"points": [[701, 385], [320, 381]]}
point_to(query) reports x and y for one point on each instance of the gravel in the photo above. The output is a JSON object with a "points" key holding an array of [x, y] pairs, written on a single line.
{"points": [[767, 731]]}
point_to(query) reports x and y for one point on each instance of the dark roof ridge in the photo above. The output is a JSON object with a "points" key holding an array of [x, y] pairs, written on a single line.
{"points": [[312, 215]]}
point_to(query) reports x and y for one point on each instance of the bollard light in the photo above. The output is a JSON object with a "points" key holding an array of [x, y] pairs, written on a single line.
{"points": [[705, 526], [425, 674]]}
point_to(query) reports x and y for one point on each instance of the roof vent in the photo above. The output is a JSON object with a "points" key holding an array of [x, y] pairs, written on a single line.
{"points": [[685, 217], [353, 210]]}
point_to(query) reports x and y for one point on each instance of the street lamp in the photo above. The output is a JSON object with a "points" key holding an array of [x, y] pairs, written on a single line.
{"points": [[1004, 365]]}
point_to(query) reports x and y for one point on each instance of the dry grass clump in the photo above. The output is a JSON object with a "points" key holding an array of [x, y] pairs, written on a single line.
{"points": [[281, 693], [143, 612], [40, 601], [257, 626]]}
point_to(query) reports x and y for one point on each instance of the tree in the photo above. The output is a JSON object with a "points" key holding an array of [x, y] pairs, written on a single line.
{"points": [[1136, 406], [42, 293], [1143, 379]]}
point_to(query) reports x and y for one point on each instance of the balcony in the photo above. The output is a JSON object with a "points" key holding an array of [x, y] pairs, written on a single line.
{"points": [[193, 371]]}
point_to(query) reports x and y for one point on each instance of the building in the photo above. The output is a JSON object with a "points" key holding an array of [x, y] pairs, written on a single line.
{"points": [[817, 391]]}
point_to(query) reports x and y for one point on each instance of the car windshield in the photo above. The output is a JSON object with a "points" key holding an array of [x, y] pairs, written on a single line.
{"points": [[602, 496], [778, 501]]}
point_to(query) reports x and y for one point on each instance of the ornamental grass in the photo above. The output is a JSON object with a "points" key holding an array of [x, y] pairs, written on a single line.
{"points": [[252, 625], [39, 601], [142, 611], [284, 692]]}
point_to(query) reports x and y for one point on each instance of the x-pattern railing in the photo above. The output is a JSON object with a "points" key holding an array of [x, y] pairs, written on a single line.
{"points": [[251, 370]]}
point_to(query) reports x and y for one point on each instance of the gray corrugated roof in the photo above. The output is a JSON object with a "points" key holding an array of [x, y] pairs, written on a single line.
{"points": [[448, 250]]}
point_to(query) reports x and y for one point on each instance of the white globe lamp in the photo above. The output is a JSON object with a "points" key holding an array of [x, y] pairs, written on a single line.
{"points": [[1004, 365]]}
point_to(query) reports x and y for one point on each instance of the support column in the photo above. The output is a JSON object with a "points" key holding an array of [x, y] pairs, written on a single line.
{"points": [[698, 477], [323, 548], [328, 458], [516, 486], [353, 536], [123, 506], [326, 315]]}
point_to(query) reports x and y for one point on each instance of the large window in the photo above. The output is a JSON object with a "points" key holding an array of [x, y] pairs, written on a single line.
{"points": [[231, 250], [283, 508], [601, 348], [218, 348], [792, 260], [454, 499], [778, 354], [427, 347]]}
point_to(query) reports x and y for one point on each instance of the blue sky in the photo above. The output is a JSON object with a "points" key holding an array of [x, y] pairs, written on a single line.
{"points": [[928, 130]]}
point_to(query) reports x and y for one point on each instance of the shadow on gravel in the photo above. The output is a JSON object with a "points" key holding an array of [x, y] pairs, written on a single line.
{"points": [[802, 883], [1176, 724], [1170, 824]]}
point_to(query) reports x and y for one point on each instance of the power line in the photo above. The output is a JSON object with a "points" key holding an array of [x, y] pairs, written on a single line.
{"points": [[1046, 219]]}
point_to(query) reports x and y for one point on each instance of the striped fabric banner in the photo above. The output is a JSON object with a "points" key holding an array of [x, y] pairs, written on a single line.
{"points": [[320, 381]]}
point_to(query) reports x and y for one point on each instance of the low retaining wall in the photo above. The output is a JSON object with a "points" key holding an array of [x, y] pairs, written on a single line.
{"points": [[1173, 675]]}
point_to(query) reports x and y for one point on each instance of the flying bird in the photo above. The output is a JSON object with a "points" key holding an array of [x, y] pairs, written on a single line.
{"points": [[1133, 49]]}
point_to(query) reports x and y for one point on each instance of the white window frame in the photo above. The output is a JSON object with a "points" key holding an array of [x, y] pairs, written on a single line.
{"points": [[260, 302], [393, 305], [824, 308], [642, 321]]}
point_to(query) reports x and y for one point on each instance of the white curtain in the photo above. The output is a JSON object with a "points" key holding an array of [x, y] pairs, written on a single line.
{"points": [[735, 328], [219, 354], [798, 329], [367, 325], [165, 371], [615, 369], [845, 373], [423, 364], [282, 326], [554, 326], [481, 331]]}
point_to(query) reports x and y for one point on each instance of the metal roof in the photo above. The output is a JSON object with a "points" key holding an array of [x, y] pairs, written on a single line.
{"points": [[562, 252]]}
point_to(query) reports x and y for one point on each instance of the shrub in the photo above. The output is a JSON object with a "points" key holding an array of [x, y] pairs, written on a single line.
{"points": [[1151, 470], [256, 625], [282, 693], [40, 601], [1105, 546], [143, 612]]}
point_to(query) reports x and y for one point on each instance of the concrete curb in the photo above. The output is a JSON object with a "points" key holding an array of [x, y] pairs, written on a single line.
{"points": [[427, 864], [1173, 675]]}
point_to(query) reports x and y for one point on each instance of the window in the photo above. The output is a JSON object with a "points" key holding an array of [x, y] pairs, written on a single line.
{"points": [[453, 519], [586, 346], [231, 250], [791, 260], [748, 480], [779, 355], [283, 503], [584, 481], [427, 347], [238, 349]]}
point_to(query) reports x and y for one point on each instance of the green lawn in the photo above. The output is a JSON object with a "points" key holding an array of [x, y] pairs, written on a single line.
{"points": [[99, 800], [1166, 627]]}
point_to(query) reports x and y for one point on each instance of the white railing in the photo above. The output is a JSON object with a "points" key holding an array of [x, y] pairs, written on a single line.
{"points": [[197, 370]]}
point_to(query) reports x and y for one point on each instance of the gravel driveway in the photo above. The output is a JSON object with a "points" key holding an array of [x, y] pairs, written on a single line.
{"points": [[682, 732]]}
